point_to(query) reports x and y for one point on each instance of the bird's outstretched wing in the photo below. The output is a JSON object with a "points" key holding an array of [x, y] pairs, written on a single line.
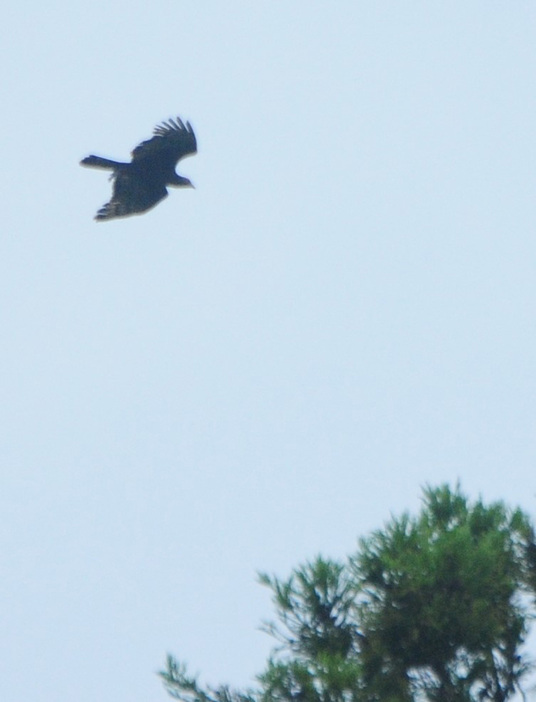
{"points": [[172, 141], [131, 195]]}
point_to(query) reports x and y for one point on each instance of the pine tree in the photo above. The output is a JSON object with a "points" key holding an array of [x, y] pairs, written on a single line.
{"points": [[432, 608]]}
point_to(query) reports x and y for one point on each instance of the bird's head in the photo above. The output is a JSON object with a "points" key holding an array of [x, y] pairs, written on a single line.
{"points": [[181, 182]]}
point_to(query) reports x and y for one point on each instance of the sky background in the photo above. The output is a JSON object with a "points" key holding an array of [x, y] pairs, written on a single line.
{"points": [[264, 368]]}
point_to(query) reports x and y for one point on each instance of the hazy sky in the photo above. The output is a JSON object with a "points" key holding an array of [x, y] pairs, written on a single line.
{"points": [[268, 366]]}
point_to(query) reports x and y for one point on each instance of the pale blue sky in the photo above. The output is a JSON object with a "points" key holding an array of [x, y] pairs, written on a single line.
{"points": [[265, 367]]}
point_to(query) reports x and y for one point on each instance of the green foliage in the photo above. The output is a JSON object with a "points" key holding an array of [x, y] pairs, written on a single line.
{"points": [[432, 608], [315, 608], [317, 659], [182, 686], [441, 599]]}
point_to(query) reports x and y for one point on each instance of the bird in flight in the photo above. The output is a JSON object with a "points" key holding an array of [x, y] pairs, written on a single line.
{"points": [[141, 184]]}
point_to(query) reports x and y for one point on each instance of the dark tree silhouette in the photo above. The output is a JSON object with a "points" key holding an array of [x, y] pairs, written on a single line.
{"points": [[141, 184]]}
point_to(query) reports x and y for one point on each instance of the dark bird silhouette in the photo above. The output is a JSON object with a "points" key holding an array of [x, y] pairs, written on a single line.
{"points": [[141, 184]]}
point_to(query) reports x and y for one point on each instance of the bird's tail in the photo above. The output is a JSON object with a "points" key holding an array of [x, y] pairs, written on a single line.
{"points": [[99, 162]]}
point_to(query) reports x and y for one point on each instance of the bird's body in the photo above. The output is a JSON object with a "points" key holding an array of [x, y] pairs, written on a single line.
{"points": [[141, 184]]}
